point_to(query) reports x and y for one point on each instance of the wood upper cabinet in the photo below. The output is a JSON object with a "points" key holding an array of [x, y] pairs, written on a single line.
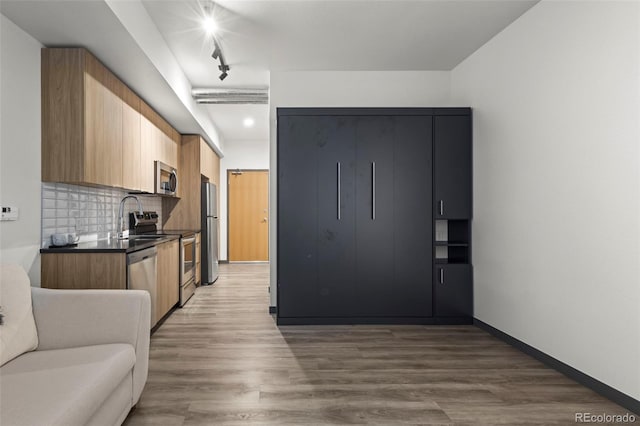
{"points": [[196, 161], [81, 119], [95, 130], [209, 163], [131, 140], [147, 152], [168, 283]]}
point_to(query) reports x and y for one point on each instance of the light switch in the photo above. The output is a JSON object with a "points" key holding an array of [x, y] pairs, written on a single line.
{"points": [[10, 213]]}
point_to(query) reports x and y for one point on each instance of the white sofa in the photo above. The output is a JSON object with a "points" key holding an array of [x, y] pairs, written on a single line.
{"points": [[91, 361]]}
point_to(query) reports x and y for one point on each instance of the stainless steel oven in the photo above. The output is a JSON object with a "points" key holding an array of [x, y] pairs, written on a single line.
{"points": [[187, 267]]}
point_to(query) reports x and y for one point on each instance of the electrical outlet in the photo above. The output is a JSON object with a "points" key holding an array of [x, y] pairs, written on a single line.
{"points": [[10, 213]]}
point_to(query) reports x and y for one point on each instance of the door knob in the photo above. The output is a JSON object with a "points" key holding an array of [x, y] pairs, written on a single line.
{"points": [[264, 219]]}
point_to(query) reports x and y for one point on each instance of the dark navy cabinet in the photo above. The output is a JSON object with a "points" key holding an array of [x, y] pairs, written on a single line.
{"points": [[452, 290], [355, 223], [452, 165]]}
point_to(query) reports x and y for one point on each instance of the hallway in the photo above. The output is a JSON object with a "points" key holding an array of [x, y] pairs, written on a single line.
{"points": [[222, 360]]}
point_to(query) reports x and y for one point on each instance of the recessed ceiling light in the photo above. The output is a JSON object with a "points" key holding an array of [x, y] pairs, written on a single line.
{"points": [[248, 122], [210, 25]]}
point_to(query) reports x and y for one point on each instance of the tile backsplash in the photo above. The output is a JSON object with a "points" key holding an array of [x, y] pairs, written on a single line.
{"points": [[92, 213]]}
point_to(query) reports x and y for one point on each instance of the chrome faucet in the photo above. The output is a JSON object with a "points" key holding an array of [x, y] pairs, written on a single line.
{"points": [[122, 234]]}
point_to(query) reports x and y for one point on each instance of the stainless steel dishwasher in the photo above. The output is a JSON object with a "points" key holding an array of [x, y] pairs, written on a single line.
{"points": [[142, 273]]}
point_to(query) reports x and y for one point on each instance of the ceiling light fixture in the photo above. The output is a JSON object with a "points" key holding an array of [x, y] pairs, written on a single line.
{"points": [[217, 54], [209, 24], [211, 27], [248, 122]]}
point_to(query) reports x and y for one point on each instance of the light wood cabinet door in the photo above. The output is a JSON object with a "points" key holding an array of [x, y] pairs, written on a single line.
{"points": [[94, 128], [103, 126], [204, 159], [131, 141], [147, 155], [209, 163], [198, 257], [63, 115], [171, 151], [82, 119], [84, 271], [156, 145], [185, 212], [168, 283]]}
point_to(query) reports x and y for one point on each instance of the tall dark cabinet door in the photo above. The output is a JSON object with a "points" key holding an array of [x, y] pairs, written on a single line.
{"points": [[298, 138], [375, 137], [336, 154], [412, 254], [452, 167], [454, 290]]}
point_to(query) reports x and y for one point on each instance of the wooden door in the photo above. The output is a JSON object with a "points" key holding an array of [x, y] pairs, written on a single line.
{"points": [[248, 215]]}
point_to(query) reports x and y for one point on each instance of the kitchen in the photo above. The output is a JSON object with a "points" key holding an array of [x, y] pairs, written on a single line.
{"points": [[135, 204]]}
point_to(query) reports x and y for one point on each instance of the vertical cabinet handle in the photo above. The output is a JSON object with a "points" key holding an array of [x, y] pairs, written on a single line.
{"points": [[373, 190], [338, 191], [441, 275], [441, 207]]}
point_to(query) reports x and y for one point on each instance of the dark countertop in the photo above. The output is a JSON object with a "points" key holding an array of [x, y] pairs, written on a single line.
{"points": [[180, 232], [112, 245]]}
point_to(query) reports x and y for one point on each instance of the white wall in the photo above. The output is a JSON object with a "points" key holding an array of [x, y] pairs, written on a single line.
{"points": [[345, 89], [239, 154], [20, 146], [556, 100]]}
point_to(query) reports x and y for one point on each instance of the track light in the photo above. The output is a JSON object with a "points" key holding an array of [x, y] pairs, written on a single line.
{"points": [[211, 27], [217, 54]]}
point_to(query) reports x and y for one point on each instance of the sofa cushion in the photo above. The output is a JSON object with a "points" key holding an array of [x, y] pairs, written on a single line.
{"points": [[18, 331], [61, 386]]}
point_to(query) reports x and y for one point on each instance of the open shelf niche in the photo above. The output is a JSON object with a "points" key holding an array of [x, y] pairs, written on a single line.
{"points": [[452, 241]]}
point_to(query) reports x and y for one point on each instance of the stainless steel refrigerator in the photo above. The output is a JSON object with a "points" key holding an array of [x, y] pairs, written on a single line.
{"points": [[209, 242]]}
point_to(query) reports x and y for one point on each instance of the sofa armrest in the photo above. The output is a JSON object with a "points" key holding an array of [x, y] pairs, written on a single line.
{"points": [[72, 318]]}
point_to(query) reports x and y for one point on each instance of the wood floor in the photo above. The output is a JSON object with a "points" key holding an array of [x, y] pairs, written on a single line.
{"points": [[222, 360]]}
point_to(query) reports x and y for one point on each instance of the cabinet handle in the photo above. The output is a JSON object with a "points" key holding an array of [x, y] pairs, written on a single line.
{"points": [[338, 191], [441, 275], [373, 190], [441, 207]]}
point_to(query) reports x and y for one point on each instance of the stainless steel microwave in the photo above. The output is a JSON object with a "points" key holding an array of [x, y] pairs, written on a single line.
{"points": [[166, 180]]}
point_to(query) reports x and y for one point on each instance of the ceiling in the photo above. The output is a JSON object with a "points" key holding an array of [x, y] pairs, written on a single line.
{"points": [[259, 36]]}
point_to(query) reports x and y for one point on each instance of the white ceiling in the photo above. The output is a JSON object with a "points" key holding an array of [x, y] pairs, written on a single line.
{"points": [[259, 36]]}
